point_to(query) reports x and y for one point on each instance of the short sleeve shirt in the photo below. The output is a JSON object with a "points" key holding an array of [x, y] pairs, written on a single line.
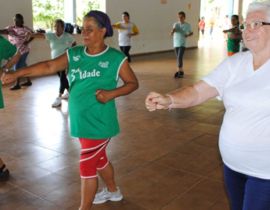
{"points": [[123, 32], [179, 36], [7, 50], [244, 135], [18, 35], [59, 44]]}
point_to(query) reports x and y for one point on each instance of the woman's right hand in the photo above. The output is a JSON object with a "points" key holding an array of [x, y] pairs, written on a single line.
{"points": [[156, 101]]}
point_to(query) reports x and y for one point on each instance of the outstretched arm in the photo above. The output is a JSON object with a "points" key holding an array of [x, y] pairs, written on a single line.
{"points": [[13, 60], [38, 35], [181, 98], [172, 31], [3, 31], [39, 69], [189, 34]]}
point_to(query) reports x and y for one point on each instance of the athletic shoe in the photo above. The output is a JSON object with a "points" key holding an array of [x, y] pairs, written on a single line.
{"points": [[179, 74], [28, 83], [105, 196], [15, 87], [57, 102], [4, 174], [65, 96]]}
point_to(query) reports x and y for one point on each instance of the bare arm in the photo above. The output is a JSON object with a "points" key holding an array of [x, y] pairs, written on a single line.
{"points": [[13, 60], [181, 98], [130, 84], [117, 26], [39, 69], [172, 32], [38, 35], [73, 44], [190, 34], [3, 31], [134, 33]]}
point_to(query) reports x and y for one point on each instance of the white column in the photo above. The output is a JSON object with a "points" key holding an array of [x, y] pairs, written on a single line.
{"points": [[70, 11]]}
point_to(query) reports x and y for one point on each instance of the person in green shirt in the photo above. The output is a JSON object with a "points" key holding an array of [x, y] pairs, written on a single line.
{"points": [[8, 52], [234, 36], [93, 73]]}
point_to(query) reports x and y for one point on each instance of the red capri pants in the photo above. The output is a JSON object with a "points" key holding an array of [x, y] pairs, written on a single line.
{"points": [[93, 157]]}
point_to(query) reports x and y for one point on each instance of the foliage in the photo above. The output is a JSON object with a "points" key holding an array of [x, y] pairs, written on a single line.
{"points": [[46, 11], [83, 10]]}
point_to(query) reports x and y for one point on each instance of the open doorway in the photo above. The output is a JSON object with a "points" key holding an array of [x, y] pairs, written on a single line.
{"points": [[216, 14]]}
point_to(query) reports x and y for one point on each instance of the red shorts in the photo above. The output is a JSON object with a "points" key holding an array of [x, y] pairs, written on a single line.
{"points": [[93, 157]]}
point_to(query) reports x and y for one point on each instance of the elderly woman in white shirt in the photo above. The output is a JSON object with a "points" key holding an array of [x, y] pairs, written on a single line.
{"points": [[242, 82]]}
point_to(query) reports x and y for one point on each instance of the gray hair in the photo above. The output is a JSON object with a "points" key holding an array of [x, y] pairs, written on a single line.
{"points": [[263, 6]]}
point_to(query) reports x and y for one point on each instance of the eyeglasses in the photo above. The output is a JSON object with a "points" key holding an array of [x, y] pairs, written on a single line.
{"points": [[255, 25]]}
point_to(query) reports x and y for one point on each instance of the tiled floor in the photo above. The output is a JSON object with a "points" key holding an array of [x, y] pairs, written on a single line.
{"points": [[165, 160]]}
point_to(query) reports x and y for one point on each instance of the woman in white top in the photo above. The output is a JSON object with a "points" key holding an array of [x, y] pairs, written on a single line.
{"points": [[242, 82], [126, 30]]}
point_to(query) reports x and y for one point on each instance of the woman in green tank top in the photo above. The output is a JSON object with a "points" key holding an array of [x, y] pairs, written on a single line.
{"points": [[7, 51], [93, 71]]}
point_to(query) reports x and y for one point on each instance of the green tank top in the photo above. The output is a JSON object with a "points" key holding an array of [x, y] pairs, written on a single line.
{"points": [[1, 97], [7, 50], [233, 45], [86, 74]]}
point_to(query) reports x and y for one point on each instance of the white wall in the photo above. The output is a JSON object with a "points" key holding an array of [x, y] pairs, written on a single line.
{"points": [[153, 19], [10, 7]]}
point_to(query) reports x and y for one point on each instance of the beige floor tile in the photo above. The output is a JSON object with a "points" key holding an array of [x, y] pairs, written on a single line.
{"points": [[164, 160]]}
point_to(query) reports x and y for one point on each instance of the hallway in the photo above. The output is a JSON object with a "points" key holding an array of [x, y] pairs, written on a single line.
{"points": [[165, 160]]}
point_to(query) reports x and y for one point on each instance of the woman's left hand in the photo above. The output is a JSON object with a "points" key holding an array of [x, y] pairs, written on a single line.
{"points": [[103, 96], [8, 78]]}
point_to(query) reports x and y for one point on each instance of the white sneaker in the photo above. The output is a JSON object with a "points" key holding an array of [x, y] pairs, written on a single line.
{"points": [[57, 102], [105, 195], [65, 96]]}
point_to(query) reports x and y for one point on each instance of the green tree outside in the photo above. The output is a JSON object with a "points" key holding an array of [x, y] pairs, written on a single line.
{"points": [[46, 11]]}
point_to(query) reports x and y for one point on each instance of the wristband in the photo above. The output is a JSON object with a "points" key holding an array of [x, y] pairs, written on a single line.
{"points": [[172, 101]]}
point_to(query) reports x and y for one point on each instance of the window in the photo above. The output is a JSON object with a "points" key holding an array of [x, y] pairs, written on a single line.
{"points": [[84, 6], [71, 11]]}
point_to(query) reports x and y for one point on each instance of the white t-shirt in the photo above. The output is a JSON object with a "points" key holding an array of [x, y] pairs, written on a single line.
{"points": [[244, 139], [123, 32]]}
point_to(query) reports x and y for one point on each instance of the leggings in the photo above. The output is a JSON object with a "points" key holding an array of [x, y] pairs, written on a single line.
{"points": [[22, 61], [63, 81], [179, 51], [246, 192], [125, 50], [20, 64]]}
